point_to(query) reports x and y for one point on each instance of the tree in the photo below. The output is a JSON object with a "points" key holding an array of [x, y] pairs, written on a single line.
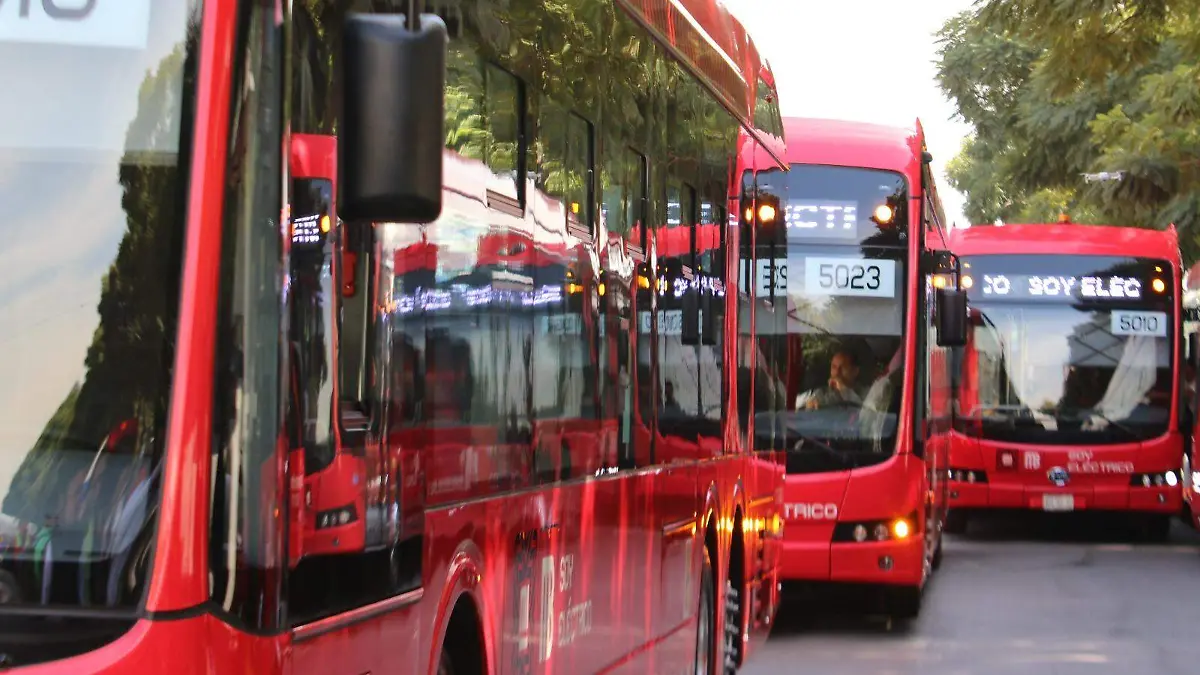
{"points": [[1057, 90]]}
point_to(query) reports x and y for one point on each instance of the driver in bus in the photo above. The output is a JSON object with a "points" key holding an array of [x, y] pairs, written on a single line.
{"points": [[842, 389]]}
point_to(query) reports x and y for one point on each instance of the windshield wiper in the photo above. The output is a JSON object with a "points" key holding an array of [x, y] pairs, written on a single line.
{"points": [[824, 447]]}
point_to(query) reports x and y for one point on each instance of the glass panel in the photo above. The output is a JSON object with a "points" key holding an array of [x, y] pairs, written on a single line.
{"points": [[312, 312], [502, 111], [1068, 349], [94, 154], [840, 262]]}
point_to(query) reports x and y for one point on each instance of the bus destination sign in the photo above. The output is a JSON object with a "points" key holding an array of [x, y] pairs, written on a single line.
{"points": [[306, 230], [1059, 287]]}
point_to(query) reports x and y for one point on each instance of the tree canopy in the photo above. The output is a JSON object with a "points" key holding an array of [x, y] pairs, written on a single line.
{"points": [[1058, 92]]}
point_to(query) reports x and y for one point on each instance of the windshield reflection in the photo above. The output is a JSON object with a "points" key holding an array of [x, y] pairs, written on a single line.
{"points": [[1059, 375], [94, 159], [842, 272]]}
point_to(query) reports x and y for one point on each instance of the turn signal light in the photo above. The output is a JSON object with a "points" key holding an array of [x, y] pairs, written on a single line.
{"points": [[766, 213], [900, 529]]}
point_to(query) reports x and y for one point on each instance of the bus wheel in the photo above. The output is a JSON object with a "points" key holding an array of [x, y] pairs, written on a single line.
{"points": [[937, 554], [733, 632], [905, 602], [956, 522], [706, 644]]}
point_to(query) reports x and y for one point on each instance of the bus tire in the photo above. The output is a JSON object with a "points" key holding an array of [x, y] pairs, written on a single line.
{"points": [[956, 522], [706, 618], [937, 554], [905, 602], [733, 632]]}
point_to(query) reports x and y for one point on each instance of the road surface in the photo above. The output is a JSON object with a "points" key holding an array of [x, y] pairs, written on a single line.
{"points": [[1070, 595]]}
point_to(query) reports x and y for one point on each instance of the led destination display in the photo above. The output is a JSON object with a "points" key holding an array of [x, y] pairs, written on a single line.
{"points": [[1054, 286]]}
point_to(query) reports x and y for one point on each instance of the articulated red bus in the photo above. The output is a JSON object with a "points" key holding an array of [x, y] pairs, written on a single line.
{"points": [[1069, 397], [395, 346], [860, 396]]}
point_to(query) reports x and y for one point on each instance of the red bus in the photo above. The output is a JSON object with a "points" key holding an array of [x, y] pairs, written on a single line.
{"points": [[286, 398], [1069, 397], [859, 397]]}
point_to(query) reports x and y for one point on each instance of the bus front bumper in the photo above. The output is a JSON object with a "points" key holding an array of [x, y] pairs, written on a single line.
{"points": [[1164, 499], [891, 562]]}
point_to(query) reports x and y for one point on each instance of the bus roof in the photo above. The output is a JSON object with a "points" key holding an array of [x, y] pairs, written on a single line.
{"points": [[813, 140], [714, 43], [1070, 239]]}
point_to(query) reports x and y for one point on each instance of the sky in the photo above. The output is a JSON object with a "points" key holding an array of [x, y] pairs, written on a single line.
{"points": [[835, 59]]}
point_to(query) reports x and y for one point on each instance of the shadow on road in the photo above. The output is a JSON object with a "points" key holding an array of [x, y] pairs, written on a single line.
{"points": [[850, 611], [1070, 528], [840, 610]]}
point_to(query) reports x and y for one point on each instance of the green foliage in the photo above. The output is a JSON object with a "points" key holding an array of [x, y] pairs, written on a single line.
{"points": [[1056, 89]]}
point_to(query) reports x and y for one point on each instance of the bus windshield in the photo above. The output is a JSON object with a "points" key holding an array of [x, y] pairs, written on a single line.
{"points": [[841, 270], [1068, 349], [94, 158]]}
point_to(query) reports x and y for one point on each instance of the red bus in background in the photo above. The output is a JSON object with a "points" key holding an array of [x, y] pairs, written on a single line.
{"points": [[1069, 397], [858, 392], [383, 437]]}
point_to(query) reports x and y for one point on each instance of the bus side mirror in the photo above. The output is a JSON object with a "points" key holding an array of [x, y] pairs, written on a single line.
{"points": [[391, 128], [937, 262], [951, 309]]}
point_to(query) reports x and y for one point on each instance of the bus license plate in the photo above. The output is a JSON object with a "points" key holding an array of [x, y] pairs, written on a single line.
{"points": [[1058, 502]]}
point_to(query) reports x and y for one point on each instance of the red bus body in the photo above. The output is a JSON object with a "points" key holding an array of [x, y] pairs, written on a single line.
{"points": [[506, 441], [1058, 463], [895, 487]]}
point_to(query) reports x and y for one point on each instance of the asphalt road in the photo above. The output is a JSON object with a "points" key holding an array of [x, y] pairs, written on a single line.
{"points": [[1030, 595]]}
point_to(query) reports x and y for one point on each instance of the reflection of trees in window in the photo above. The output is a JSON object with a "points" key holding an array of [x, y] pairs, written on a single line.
{"points": [[623, 177], [563, 155], [483, 114], [630, 75], [466, 132], [502, 110]]}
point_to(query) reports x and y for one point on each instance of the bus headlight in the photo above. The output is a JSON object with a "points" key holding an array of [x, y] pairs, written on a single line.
{"points": [[1156, 479], [891, 529]]}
